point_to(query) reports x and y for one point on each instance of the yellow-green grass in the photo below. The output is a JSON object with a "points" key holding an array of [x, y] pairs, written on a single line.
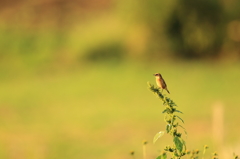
{"points": [[105, 111]]}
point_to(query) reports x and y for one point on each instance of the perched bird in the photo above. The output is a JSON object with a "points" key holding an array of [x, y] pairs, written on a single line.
{"points": [[160, 82]]}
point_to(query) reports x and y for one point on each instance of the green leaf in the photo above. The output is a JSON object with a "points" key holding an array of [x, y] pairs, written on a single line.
{"points": [[180, 118], [178, 111], [178, 143], [176, 154], [164, 111], [183, 129], [185, 133], [157, 136], [166, 118], [164, 156], [167, 99], [184, 146], [168, 128]]}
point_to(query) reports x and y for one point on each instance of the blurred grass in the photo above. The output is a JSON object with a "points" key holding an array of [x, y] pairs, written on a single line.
{"points": [[105, 110]]}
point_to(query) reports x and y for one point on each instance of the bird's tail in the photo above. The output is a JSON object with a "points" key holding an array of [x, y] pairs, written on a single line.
{"points": [[167, 90]]}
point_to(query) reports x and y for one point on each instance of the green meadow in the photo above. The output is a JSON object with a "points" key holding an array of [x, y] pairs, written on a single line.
{"points": [[106, 110]]}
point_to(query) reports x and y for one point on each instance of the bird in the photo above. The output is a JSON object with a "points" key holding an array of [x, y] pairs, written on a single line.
{"points": [[160, 82]]}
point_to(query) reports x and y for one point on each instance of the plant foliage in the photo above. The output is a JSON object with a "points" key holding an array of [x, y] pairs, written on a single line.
{"points": [[172, 120]]}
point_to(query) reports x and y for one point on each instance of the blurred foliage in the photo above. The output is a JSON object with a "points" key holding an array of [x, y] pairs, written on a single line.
{"points": [[112, 51], [197, 28], [194, 29], [60, 32]]}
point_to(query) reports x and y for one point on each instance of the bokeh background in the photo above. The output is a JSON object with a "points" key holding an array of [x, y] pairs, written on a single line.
{"points": [[73, 76]]}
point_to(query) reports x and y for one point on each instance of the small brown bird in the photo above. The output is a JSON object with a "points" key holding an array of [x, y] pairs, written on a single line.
{"points": [[160, 82]]}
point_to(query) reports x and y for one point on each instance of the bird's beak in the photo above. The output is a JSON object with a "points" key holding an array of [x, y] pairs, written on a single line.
{"points": [[153, 74]]}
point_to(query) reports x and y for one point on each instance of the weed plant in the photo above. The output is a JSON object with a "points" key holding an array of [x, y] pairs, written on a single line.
{"points": [[173, 122]]}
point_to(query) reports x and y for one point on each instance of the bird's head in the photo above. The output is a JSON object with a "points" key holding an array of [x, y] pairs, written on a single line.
{"points": [[157, 75]]}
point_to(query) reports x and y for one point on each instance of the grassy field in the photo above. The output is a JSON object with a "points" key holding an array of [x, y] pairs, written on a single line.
{"points": [[105, 110]]}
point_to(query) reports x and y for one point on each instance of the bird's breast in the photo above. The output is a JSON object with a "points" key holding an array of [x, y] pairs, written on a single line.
{"points": [[158, 81]]}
